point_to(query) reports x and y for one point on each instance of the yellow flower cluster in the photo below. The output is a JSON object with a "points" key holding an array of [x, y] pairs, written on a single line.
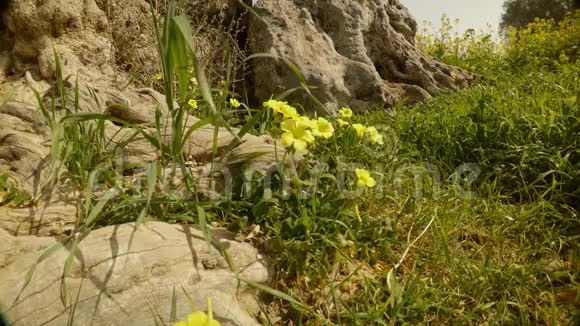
{"points": [[299, 131], [235, 103], [345, 114], [372, 132], [192, 104], [282, 108], [361, 130], [544, 42]]}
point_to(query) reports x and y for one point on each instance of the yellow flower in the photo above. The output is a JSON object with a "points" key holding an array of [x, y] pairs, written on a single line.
{"points": [[306, 121], [283, 108], [192, 103], [272, 104], [296, 134], [234, 103], [374, 135], [199, 318], [289, 112], [372, 131], [342, 123], [190, 70], [345, 113], [322, 128], [378, 139], [364, 178], [360, 129], [453, 75], [193, 81], [158, 76]]}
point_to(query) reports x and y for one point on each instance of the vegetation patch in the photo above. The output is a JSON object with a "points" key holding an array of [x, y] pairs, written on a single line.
{"points": [[461, 210]]}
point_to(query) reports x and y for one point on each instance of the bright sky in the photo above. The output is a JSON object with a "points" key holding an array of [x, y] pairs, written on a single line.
{"points": [[472, 13]]}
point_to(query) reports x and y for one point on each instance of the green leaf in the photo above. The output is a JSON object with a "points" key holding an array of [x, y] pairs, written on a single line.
{"points": [[201, 215], [280, 295], [173, 317], [182, 25], [98, 208], [197, 125], [67, 266]]}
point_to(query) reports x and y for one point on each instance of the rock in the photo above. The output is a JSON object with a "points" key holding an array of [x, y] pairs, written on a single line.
{"points": [[24, 153], [77, 32], [115, 285], [55, 218], [351, 53]]}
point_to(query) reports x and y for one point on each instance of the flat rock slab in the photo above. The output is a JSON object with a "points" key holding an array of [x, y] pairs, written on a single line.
{"points": [[113, 284]]}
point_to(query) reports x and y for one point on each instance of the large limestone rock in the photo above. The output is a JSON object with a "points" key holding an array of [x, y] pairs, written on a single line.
{"points": [[354, 53], [88, 37], [114, 284]]}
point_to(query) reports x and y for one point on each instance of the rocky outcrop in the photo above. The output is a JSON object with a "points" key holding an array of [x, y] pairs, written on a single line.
{"points": [[122, 275], [86, 36], [355, 53]]}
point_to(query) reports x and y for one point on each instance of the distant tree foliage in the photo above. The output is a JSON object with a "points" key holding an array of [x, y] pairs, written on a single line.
{"points": [[518, 13]]}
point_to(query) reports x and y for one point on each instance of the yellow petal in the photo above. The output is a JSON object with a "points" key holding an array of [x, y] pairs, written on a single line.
{"points": [[287, 139], [197, 318], [378, 139], [300, 144], [342, 123], [360, 129], [370, 182], [307, 137], [289, 112], [372, 131], [364, 178]]}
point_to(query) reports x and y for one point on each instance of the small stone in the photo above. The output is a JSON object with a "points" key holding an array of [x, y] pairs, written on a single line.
{"points": [[209, 263]]}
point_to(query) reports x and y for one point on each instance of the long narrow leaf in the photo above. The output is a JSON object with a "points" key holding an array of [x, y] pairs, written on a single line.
{"points": [[201, 215], [96, 211], [184, 28]]}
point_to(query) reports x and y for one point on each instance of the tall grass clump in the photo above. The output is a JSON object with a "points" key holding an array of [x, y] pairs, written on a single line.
{"points": [[542, 42], [474, 51]]}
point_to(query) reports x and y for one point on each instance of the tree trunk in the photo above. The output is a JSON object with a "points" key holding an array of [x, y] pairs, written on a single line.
{"points": [[352, 53]]}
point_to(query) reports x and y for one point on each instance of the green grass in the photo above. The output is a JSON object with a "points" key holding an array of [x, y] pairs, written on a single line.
{"points": [[493, 236]]}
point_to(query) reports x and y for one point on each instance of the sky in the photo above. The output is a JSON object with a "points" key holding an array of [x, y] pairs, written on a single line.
{"points": [[471, 13]]}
